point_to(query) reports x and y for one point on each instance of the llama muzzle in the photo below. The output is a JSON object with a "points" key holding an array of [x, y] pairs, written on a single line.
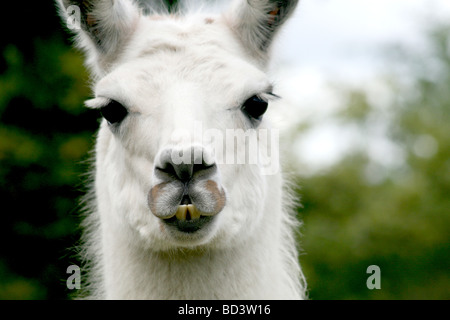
{"points": [[187, 190]]}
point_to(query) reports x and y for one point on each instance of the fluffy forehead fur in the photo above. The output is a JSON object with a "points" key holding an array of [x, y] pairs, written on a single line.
{"points": [[165, 55]]}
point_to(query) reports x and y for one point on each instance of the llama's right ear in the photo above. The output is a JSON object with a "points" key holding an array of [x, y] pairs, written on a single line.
{"points": [[102, 26], [257, 21]]}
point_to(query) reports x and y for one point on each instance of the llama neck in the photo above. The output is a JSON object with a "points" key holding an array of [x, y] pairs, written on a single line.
{"points": [[249, 271]]}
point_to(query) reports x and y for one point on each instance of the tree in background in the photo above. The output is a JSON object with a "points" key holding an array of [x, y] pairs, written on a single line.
{"points": [[392, 209]]}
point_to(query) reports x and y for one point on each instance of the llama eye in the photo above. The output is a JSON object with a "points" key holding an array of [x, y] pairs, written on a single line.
{"points": [[255, 107], [113, 112]]}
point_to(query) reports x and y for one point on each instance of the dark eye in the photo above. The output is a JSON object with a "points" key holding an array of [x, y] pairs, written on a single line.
{"points": [[114, 112], [255, 107]]}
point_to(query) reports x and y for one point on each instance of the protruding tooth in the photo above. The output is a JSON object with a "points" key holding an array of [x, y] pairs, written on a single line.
{"points": [[181, 212], [195, 214]]}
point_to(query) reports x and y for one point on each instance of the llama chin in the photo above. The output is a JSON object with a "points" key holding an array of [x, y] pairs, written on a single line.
{"points": [[178, 212]]}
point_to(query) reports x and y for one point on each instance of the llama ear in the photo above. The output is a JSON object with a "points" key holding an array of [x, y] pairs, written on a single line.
{"points": [[257, 21], [102, 26]]}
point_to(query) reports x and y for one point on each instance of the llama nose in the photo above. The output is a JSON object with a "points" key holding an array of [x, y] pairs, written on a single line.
{"points": [[184, 163], [186, 180]]}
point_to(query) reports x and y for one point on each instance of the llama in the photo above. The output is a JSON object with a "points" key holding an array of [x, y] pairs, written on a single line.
{"points": [[166, 218]]}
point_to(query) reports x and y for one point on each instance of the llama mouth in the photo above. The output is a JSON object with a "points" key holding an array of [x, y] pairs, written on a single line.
{"points": [[187, 212], [188, 219]]}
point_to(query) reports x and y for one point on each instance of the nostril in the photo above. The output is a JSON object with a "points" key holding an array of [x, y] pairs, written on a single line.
{"points": [[168, 170], [204, 169], [192, 167]]}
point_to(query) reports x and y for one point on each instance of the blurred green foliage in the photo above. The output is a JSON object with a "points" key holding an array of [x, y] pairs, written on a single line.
{"points": [[45, 135], [400, 223], [396, 217]]}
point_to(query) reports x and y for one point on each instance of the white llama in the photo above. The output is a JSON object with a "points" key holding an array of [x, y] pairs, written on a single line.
{"points": [[167, 219]]}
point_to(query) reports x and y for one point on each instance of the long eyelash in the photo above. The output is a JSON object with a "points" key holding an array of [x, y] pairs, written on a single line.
{"points": [[268, 96], [275, 96]]}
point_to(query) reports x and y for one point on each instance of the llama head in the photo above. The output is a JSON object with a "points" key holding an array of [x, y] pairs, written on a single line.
{"points": [[184, 147]]}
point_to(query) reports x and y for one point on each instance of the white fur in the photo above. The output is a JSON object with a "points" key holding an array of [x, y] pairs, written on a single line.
{"points": [[171, 72]]}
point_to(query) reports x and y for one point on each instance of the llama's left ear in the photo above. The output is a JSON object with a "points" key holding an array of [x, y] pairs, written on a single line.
{"points": [[257, 21], [102, 26]]}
